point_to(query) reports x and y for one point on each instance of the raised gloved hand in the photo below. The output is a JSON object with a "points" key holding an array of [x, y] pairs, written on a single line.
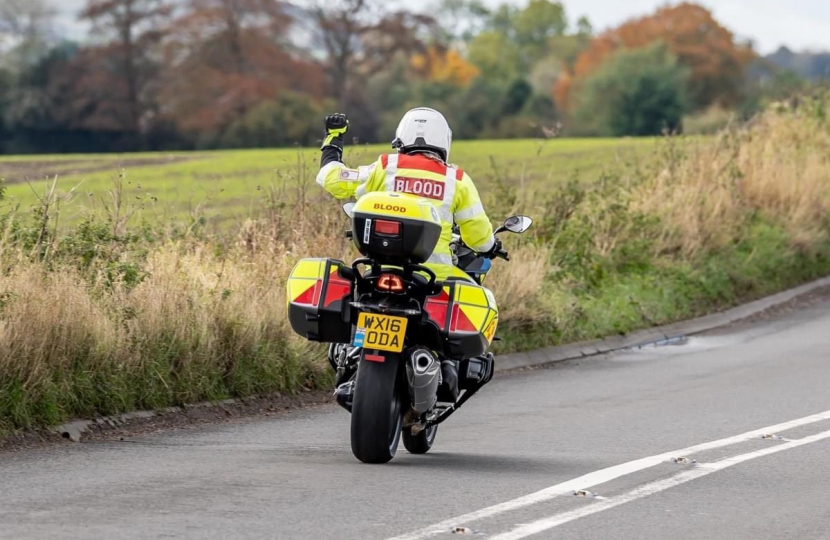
{"points": [[337, 125]]}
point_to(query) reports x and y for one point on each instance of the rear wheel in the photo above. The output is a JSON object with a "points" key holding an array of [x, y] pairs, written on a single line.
{"points": [[377, 413], [420, 443]]}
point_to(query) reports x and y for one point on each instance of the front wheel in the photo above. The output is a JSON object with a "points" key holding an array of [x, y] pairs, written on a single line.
{"points": [[420, 443], [377, 414]]}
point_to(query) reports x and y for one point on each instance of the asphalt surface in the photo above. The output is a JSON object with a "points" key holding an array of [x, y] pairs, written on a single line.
{"points": [[294, 476]]}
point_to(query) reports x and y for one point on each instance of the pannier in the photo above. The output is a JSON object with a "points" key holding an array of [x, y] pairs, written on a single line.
{"points": [[318, 301], [467, 317]]}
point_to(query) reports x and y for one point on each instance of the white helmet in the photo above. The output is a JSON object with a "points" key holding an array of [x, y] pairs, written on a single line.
{"points": [[424, 129]]}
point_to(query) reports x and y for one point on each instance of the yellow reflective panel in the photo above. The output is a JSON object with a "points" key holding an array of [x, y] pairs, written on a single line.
{"points": [[304, 276], [309, 269], [296, 287], [490, 329], [491, 299], [491, 316], [471, 294], [476, 315]]}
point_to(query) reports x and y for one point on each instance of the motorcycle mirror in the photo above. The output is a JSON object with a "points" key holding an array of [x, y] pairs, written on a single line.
{"points": [[348, 208], [518, 224]]}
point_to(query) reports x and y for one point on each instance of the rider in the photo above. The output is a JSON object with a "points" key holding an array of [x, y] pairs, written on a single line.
{"points": [[420, 169]]}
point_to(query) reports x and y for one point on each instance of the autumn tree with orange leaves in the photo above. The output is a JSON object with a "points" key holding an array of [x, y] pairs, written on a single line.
{"points": [[224, 57], [176, 74], [113, 82], [441, 65], [709, 51]]}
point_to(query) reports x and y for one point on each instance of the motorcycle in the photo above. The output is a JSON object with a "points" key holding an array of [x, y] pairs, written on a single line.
{"points": [[391, 323]]}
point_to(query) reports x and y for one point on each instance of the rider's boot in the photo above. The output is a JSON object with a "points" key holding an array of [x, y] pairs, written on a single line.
{"points": [[343, 359], [448, 391]]}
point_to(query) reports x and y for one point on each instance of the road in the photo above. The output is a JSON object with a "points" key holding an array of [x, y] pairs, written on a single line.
{"points": [[505, 467]]}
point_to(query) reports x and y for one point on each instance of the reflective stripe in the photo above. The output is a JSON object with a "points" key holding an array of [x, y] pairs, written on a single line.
{"points": [[391, 172], [364, 172], [440, 258], [365, 175], [327, 168], [469, 213], [449, 195], [487, 246]]}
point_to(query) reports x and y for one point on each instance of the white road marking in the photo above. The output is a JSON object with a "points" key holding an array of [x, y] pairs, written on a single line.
{"points": [[602, 476], [529, 529]]}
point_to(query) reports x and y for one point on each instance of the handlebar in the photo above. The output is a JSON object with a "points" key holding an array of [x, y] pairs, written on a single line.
{"points": [[502, 254]]}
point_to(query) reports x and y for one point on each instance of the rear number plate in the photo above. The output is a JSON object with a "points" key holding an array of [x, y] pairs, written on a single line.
{"points": [[380, 332]]}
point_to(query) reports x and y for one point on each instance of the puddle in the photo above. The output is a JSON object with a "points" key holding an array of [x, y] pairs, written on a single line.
{"points": [[670, 342]]}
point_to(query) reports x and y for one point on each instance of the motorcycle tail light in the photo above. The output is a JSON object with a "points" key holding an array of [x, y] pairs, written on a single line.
{"points": [[388, 228], [391, 283]]}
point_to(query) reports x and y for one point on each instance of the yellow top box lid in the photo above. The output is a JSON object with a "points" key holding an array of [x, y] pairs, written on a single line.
{"points": [[396, 205]]}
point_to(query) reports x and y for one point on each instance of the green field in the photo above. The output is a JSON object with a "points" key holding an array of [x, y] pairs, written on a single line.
{"points": [[108, 314], [224, 186]]}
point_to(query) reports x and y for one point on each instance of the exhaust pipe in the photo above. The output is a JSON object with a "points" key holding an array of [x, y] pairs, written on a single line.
{"points": [[424, 374]]}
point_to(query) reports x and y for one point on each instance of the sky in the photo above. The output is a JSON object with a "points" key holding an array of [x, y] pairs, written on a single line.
{"points": [[799, 24]]}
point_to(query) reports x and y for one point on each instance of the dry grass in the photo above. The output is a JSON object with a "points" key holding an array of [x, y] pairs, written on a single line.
{"points": [[205, 322], [778, 165], [191, 331], [695, 198], [519, 285], [785, 161], [204, 317]]}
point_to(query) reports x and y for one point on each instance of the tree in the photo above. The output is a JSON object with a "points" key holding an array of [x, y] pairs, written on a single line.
{"points": [[340, 25], [126, 65], [528, 30], [518, 93], [38, 103], [361, 36], [291, 119], [224, 57], [444, 66], [27, 25], [362, 40], [635, 92], [584, 27], [495, 56], [461, 20], [813, 66], [715, 60], [395, 33], [538, 22]]}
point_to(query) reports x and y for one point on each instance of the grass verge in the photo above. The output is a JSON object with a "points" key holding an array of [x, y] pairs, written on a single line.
{"points": [[108, 316]]}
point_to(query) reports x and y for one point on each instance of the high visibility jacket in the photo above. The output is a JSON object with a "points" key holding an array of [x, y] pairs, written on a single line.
{"points": [[450, 189]]}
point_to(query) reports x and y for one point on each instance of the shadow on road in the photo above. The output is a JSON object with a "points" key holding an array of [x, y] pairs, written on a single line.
{"points": [[494, 463]]}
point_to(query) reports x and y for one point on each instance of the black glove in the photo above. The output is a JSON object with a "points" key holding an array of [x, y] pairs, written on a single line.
{"points": [[494, 251], [337, 125]]}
